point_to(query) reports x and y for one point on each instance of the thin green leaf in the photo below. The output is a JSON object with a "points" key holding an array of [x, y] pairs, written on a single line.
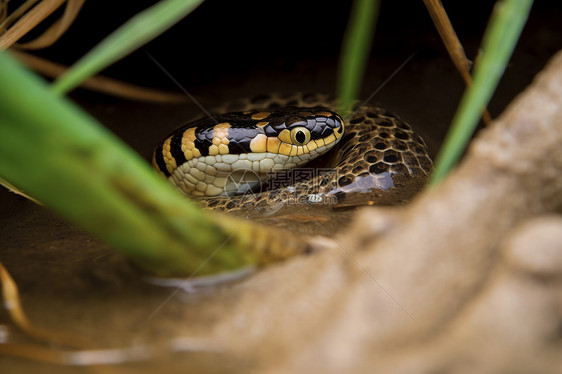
{"points": [[355, 52], [501, 36], [136, 32]]}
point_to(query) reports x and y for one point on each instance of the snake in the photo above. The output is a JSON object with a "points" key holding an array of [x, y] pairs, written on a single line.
{"points": [[261, 155]]}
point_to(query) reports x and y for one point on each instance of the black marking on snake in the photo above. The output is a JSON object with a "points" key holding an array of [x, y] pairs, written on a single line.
{"points": [[159, 158], [378, 168], [401, 135], [175, 148], [364, 138], [344, 181], [384, 122], [357, 120], [202, 142], [400, 146], [240, 136], [390, 157], [296, 122], [347, 138], [243, 129], [319, 126]]}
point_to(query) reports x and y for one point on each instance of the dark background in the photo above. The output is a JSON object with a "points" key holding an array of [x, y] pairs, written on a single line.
{"points": [[224, 37], [226, 49]]}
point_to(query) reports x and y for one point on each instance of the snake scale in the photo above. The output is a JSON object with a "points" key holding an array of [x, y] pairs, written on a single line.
{"points": [[372, 158]]}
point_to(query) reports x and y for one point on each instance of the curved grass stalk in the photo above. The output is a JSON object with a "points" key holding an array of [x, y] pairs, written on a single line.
{"points": [[100, 83], [29, 21]]}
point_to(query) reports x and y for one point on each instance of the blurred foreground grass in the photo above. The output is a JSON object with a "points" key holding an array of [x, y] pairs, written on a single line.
{"points": [[61, 156]]}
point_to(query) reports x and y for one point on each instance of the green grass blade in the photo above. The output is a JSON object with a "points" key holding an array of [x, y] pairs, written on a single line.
{"points": [[61, 156], [501, 36], [139, 30], [355, 52]]}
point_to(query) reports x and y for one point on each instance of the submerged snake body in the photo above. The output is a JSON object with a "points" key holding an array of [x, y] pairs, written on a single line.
{"points": [[379, 159]]}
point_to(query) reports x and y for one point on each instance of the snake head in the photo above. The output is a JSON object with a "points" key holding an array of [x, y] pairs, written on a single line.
{"points": [[302, 134], [201, 157]]}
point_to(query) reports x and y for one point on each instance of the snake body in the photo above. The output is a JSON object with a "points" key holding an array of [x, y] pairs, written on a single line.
{"points": [[378, 160]]}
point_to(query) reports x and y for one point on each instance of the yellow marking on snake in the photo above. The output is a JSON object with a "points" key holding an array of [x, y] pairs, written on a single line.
{"points": [[260, 115], [221, 133], [330, 139], [170, 160], [285, 136], [312, 145], [220, 140], [294, 150], [259, 144], [273, 145], [285, 149], [262, 124], [188, 145], [223, 149]]}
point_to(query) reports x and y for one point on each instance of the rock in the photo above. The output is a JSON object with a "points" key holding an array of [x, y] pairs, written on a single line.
{"points": [[463, 279]]}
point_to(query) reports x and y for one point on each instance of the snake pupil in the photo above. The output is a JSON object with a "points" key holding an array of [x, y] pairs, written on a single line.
{"points": [[300, 137]]}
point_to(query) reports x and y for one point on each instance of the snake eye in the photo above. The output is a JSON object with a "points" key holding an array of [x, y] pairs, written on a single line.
{"points": [[300, 135]]}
